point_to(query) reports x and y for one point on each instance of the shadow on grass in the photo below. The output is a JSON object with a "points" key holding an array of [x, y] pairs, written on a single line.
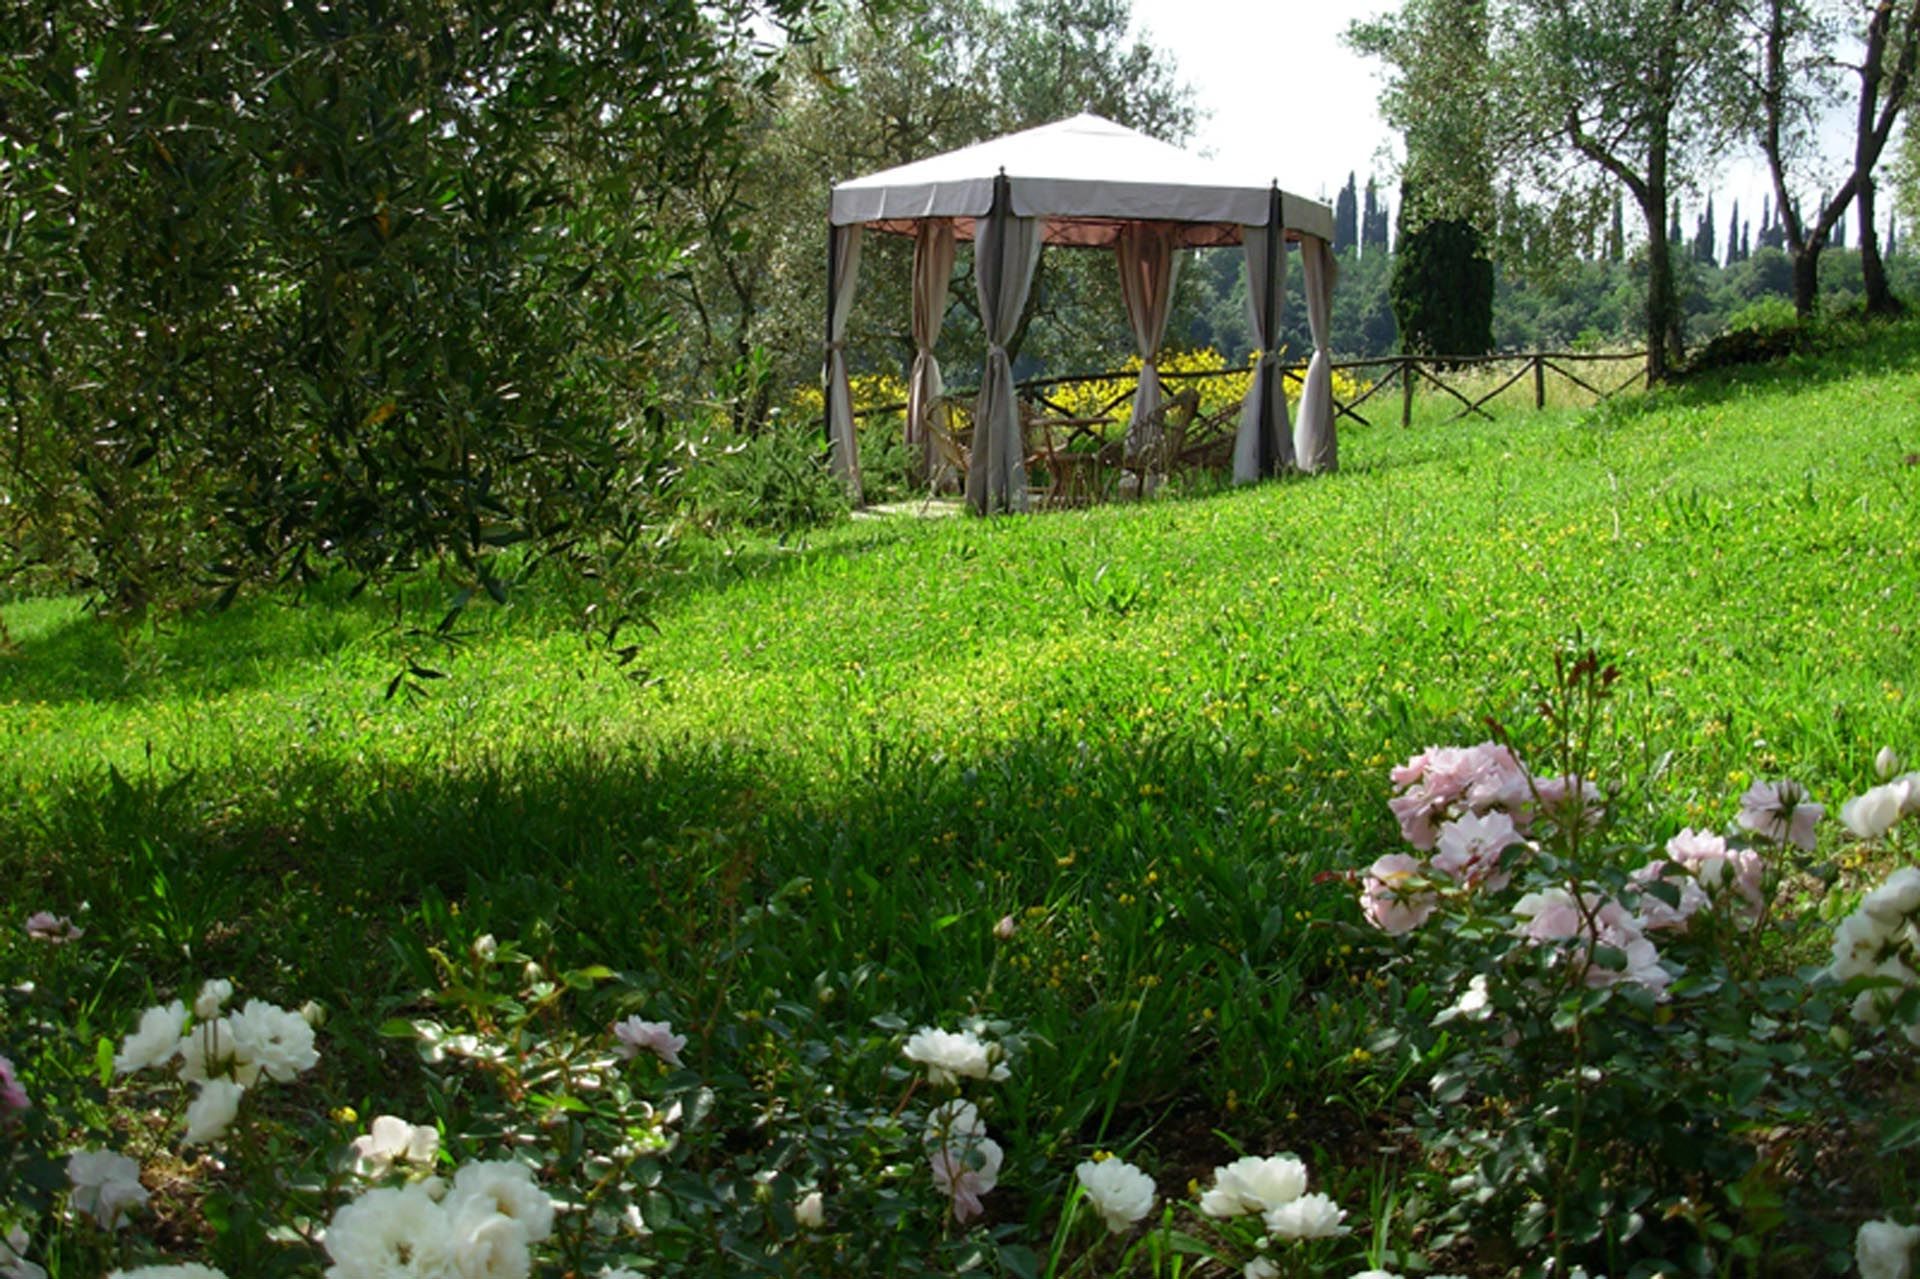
{"points": [[1172, 923], [86, 658], [1837, 350], [79, 657]]}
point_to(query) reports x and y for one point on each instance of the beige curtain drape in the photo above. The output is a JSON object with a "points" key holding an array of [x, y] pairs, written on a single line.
{"points": [[1149, 265], [1315, 443], [933, 251], [1263, 447], [844, 272], [1006, 250]]}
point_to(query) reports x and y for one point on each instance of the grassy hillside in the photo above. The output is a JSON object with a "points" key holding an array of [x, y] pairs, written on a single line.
{"points": [[1141, 732]]}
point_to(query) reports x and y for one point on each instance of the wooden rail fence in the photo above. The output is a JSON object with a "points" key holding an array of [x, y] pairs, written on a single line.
{"points": [[1404, 371]]}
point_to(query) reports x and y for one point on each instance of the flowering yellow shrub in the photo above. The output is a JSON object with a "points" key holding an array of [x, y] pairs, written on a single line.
{"points": [[1110, 396], [870, 391], [1222, 390]]}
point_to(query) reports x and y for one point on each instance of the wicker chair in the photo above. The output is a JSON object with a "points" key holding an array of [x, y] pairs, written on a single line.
{"points": [[1166, 438]]}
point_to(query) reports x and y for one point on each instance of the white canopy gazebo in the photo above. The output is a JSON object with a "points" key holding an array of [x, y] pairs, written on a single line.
{"points": [[1086, 183]]}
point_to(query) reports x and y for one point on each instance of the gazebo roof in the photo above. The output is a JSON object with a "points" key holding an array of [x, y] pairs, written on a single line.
{"points": [[1086, 176]]}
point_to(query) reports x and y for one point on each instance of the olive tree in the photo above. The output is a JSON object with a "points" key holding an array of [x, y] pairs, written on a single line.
{"points": [[287, 286]]}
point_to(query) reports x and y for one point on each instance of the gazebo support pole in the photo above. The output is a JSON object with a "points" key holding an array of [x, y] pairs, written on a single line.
{"points": [[826, 364], [1276, 245]]}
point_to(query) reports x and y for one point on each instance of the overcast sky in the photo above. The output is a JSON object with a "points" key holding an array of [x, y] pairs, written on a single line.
{"points": [[1282, 93]]}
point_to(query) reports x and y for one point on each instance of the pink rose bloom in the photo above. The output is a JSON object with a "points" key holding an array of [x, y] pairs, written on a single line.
{"points": [[1557, 800], [1470, 848], [1643, 968], [1655, 913], [965, 1174], [1416, 812], [1715, 865], [12, 1095], [1693, 849], [1498, 781], [1411, 771], [1549, 915], [1781, 811], [1444, 782], [1450, 770], [1554, 916], [1394, 899], [656, 1037], [55, 930]]}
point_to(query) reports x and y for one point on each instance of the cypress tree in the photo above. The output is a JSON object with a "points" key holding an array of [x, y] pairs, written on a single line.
{"points": [[1676, 236], [1733, 235], [1746, 241], [1703, 239], [1345, 218], [1616, 233], [1442, 287], [1373, 222]]}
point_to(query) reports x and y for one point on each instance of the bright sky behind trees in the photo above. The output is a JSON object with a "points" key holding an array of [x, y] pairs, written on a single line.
{"points": [[1310, 113]]}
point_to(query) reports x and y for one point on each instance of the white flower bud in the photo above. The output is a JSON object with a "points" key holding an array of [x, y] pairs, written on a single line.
{"points": [[811, 1211], [1886, 763]]}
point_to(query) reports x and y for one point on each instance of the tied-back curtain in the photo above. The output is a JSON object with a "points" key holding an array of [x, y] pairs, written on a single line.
{"points": [[1006, 250], [1263, 447], [1316, 444], [933, 252], [845, 272], [1149, 265]]}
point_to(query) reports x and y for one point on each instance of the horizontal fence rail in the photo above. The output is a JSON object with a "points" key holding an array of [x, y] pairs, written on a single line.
{"points": [[1404, 371]]}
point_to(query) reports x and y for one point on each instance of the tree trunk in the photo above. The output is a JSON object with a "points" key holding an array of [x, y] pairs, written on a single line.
{"points": [[1873, 271], [1806, 279], [1660, 299]]}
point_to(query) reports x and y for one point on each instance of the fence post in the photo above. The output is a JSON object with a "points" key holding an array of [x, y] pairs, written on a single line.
{"points": [[1539, 383], [1406, 392]]}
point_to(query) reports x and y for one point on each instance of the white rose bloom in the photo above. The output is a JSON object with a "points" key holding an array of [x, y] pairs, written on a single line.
{"points": [[208, 1052], [1884, 1250], [155, 1042], [1121, 1193], [391, 1233], [1376, 1274], [811, 1211], [488, 1244], [1253, 1184], [1897, 898], [953, 1123], [1886, 763], [1308, 1217], [509, 1187], [106, 1186], [1856, 945], [190, 1270], [13, 1256], [212, 998], [1260, 1268], [1475, 1004], [394, 1140], [211, 1110], [1873, 814], [948, 1055], [278, 1041]]}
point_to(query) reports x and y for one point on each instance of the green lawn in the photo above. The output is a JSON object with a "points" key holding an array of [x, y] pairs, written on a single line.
{"points": [[1142, 731]]}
